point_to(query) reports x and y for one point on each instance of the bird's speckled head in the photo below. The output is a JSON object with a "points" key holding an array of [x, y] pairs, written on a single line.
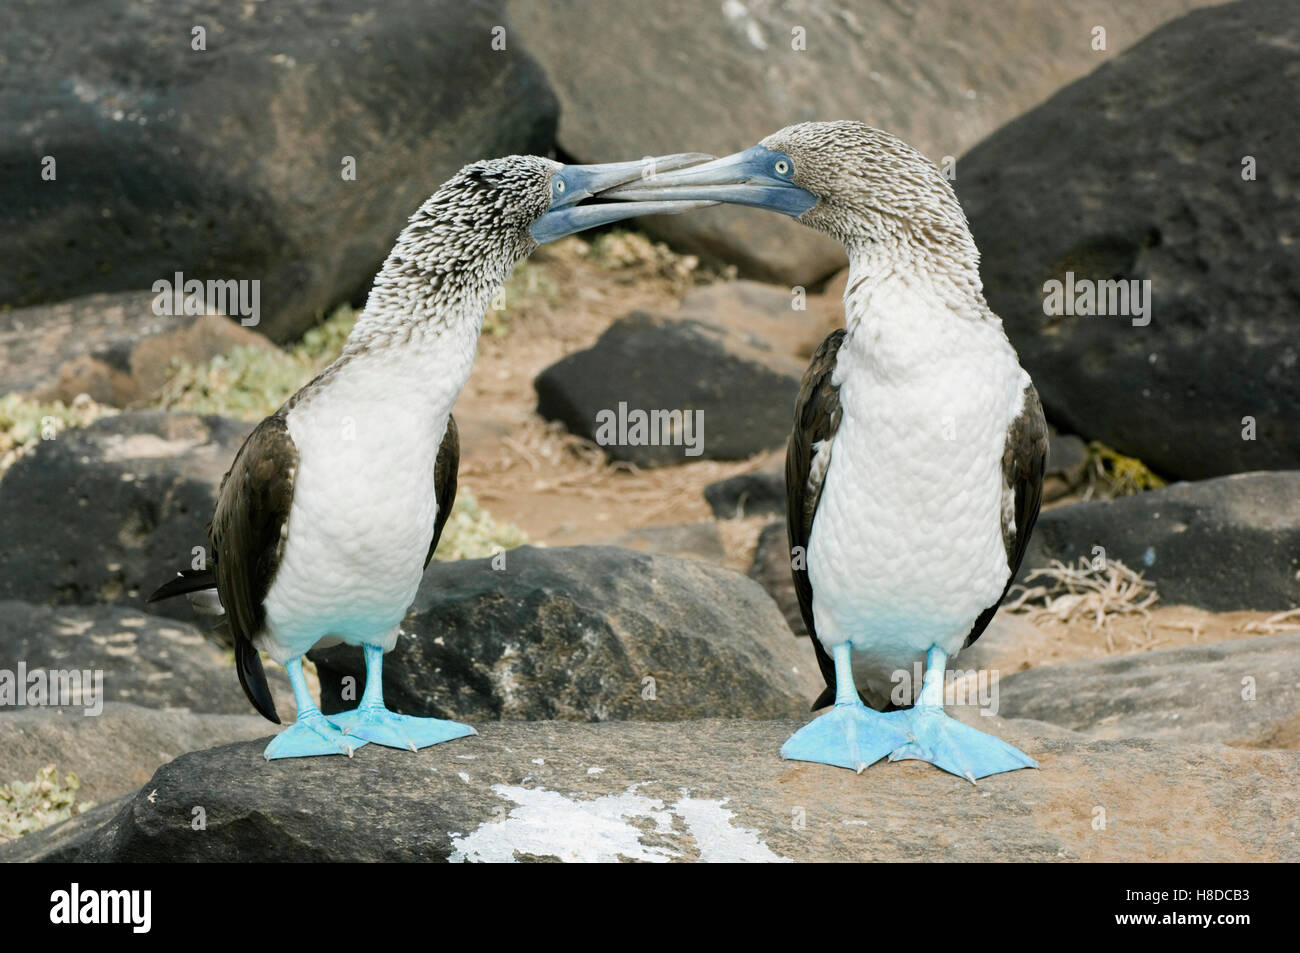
{"points": [[461, 245], [872, 192], [485, 210], [872, 188]]}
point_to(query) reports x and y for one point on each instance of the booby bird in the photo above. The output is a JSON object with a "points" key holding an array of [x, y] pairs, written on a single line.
{"points": [[335, 503], [914, 469]]}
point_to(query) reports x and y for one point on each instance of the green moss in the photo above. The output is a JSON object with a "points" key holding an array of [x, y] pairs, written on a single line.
{"points": [[250, 382], [1121, 475], [25, 422], [472, 533], [27, 806], [623, 251]]}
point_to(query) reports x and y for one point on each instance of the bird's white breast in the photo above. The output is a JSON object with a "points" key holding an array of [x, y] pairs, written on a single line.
{"points": [[906, 546], [364, 500]]}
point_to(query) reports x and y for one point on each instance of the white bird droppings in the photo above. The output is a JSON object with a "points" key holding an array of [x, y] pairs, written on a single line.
{"points": [[605, 829]]}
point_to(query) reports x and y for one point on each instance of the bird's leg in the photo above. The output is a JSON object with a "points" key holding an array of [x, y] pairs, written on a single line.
{"points": [[850, 735], [311, 734], [947, 743], [373, 722]]}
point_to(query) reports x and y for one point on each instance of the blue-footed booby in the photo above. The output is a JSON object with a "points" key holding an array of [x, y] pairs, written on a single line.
{"points": [[335, 503], [914, 469]]}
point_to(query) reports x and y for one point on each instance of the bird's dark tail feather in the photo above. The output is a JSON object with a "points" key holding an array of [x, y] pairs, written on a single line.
{"points": [[190, 580], [253, 680]]}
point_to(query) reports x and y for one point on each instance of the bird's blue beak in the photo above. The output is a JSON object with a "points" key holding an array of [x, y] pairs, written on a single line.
{"points": [[758, 176], [574, 184]]}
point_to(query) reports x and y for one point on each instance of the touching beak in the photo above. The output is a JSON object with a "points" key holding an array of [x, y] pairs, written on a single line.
{"points": [[752, 177], [574, 184]]}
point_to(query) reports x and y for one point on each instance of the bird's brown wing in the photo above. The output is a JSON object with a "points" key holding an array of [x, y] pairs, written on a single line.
{"points": [[816, 420], [445, 470], [1024, 458], [247, 539]]}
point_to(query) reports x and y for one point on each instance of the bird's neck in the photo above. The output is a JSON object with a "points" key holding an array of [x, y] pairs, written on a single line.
{"points": [[890, 284], [420, 327], [437, 281], [904, 311]]}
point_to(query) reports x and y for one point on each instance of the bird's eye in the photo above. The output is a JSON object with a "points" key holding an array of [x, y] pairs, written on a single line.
{"points": [[782, 167], [559, 185]]}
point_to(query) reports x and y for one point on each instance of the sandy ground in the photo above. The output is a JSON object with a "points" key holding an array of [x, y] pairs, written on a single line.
{"points": [[561, 491]]}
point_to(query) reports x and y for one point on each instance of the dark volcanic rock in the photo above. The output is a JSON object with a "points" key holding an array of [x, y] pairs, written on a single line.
{"points": [[228, 162], [110, 346], [646, 363], [107, 513], [145, 660], [710, 790], [1067, 465], [1230, 543], [119, 750], [771, 570], [586, 633], [1181, 110], [749, 494], [1244, 693], [941, 74]]}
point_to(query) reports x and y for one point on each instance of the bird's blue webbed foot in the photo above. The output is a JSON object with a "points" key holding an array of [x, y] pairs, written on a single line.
{"points": [[372, 721], [850, 735], [311, 734], [957, 748], [947, 743], [376, 723]]}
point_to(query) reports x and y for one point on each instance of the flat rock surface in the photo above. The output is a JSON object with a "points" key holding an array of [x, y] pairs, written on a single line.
{"points": [[113, 347], [129, 656], [1244, 693], [117, 751], [706, 790]]}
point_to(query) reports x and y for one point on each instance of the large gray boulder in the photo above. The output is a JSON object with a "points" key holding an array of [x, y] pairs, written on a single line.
{"points": [[124, 655], [712, 791], [1045, 201], [587, 633], [1223, 544], [107, 513], [719, 77], [227, 162]]}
